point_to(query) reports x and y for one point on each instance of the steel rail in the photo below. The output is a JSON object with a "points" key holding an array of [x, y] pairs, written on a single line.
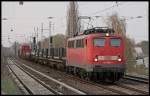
{"points": [[138, 79], [56, 81], [39, 81], [25, 86], [27, 89], [111, 89]]}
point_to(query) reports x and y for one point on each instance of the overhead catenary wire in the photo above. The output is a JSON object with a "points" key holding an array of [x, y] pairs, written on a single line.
{"points": [[117, 4], [106, 9]]}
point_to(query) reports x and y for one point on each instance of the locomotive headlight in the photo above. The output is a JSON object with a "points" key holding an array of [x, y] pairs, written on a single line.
{"points": [[95, 59], [107, 34], [119, 59]]}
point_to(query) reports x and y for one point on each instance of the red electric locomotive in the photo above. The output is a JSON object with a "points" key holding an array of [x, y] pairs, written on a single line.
{"points": [[24, 50], [97, 54]]}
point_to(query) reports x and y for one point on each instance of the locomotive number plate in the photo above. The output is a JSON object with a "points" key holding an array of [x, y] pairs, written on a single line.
{"points": [[107, 57]]}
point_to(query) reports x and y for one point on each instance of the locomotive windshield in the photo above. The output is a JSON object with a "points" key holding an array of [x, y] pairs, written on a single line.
{"points": [[99, 42], [115, 42]]}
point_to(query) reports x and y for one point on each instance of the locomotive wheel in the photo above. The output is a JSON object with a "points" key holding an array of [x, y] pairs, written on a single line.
{"points": [[110, 77], [77, 71], [72, 70], [88, 76], [69, 70], [93, 76], [83, 74]]}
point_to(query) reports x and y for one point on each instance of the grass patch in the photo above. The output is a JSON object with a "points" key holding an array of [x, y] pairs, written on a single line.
{"points": [[147, 72], [8, 86]]}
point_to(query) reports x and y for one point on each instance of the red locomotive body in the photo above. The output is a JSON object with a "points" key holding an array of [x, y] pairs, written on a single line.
{"points": [[24, 50], [101, 55]]}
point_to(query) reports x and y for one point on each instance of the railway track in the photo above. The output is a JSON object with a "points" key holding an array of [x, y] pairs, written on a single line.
{"points": [[119, 88], [64, 87], [31, 84], [138, 79], [130, 77], [116, 88]]}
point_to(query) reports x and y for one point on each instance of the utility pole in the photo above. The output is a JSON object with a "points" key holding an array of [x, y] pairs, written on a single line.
{"points": [[50, 43], [41, 35], [49, 38], [50, 25], [37, 37], [41, 41], [30, 40], [15, 48]]}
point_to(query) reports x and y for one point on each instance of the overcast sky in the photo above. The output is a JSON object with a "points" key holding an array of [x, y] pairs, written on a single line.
{"points": [[23, 19]]}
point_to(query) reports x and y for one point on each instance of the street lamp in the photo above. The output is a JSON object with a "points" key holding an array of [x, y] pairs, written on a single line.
{"points": [[4, 19], [20, 2], [50, 17], [139, 17]]}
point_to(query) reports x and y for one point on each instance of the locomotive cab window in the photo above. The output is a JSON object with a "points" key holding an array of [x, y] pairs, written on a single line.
{"points": [[80, 43], [99, 42], [115, 42], [70, 44]]}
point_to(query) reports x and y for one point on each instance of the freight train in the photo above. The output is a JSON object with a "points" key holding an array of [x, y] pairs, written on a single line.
{"points": [[95, 54]]}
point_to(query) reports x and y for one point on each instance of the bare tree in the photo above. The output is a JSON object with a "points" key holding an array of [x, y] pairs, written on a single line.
{"points": [[119, 27], [73, 23], [117, 24]]}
